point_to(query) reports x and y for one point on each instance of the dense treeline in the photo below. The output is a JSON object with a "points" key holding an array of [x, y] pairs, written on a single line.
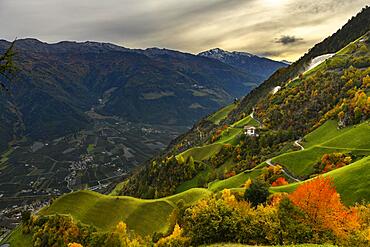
{"points": [[311, 214], [162, 176], [307, 102], [62, 231]]}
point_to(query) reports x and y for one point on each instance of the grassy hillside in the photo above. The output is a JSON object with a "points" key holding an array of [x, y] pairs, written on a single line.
{"points": [[221, 114], [202, 153], [16, 238], [104, 212], [248, 120], [326, 139], [233, 182], [352, 182]]}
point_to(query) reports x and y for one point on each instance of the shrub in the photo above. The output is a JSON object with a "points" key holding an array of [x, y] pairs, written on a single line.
{"points": [[257, 193]]}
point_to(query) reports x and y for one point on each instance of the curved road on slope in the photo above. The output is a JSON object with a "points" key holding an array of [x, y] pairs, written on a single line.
{"points": [[283, 170], [297, 143], [255, 119]]}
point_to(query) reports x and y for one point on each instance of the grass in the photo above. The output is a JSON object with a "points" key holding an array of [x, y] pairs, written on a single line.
{"points": [[230, 136], [233, 182], [202, 153], [352, 182], [245, 121], [322, 134], [5, 156], [204, 175], [118, 188], [104, 212], [17, 238], [190, 196], [90, 148], [221, 114], [300, 163], [326, 139], [194, 182]]}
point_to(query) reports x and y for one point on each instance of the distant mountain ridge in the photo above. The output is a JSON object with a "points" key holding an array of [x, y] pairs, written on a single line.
{"points": [[135, 84], [260, 67]]}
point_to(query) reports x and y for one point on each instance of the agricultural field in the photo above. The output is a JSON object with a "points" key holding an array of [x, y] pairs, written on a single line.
{"points": [[91, 159]]}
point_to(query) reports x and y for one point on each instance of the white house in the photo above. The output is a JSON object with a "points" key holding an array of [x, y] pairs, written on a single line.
{"points": [[250, 130]]}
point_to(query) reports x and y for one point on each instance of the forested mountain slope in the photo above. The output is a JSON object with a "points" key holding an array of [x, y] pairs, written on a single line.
{"points": [[136, 85]]}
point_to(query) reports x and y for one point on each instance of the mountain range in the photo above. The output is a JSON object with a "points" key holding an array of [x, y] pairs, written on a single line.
{"points": [[107, 107], [132, 84]]}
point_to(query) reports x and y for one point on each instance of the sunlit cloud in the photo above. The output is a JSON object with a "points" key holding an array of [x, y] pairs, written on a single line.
{"points": [[280, 29]]}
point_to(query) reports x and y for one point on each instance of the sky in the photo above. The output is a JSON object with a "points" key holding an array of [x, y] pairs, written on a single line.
{"points": [[279, 29]]}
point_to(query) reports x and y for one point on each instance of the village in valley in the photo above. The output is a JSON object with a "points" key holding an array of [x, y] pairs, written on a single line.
{"points": [[35, 173]]}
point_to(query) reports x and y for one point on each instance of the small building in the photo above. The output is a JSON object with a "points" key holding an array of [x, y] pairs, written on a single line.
{"points": [[251, 130]]}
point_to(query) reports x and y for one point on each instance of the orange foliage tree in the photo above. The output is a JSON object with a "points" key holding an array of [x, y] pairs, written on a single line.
{"points": [[279, 181], [320, 201]]}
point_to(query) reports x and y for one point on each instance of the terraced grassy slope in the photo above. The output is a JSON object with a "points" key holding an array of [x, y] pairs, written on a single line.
{"points": [[233, 182], [221, 114], [352, 182], [229, 136], [202, 153], [104, 212], [326, 139], [248, 120]]}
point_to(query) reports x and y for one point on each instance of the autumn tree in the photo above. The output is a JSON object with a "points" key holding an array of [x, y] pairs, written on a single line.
{"points": [[332, 161], [74, 245], [320, 201], [175, 239], [279, 182]]}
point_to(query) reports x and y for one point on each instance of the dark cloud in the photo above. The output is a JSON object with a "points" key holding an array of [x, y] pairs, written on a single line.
{"points": [[287, 40], [274, 53]]}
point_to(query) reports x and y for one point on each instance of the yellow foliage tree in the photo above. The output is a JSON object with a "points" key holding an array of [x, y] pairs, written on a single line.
{"points": [[175, 239], [247, 183], [74, 245], [228, 197]]}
